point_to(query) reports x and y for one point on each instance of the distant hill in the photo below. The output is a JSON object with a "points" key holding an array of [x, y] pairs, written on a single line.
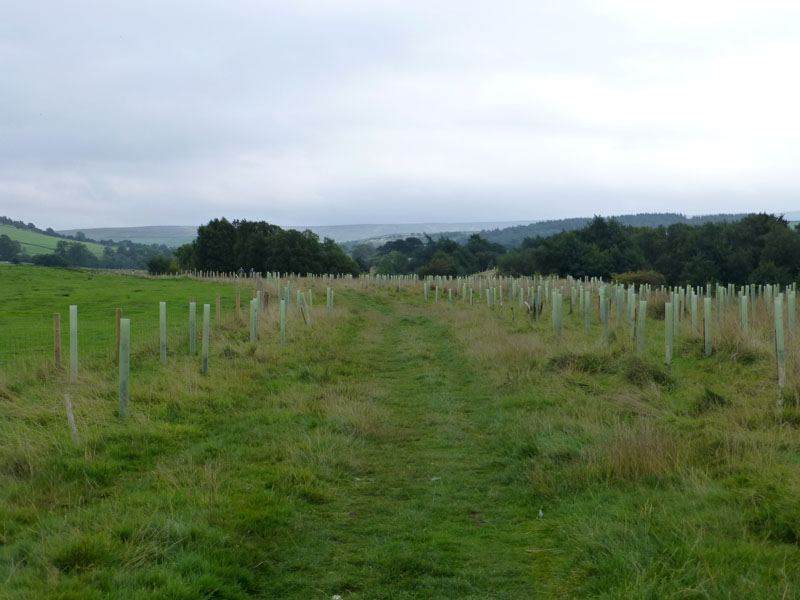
{"points": [[176, 235], [513, 236], [169, 235], [34, 243], [508, 233], [349, 233]]}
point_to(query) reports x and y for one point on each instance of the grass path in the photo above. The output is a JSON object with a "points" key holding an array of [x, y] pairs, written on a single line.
{"points": [[427, 517], [358, 460]]}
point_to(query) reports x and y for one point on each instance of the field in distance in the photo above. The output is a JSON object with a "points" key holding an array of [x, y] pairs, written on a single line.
{"points": [[396, 448], [36, 243], [169, 235]]}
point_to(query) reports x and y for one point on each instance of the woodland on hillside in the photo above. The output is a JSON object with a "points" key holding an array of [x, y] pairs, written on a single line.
{"points": [[757, 248]]}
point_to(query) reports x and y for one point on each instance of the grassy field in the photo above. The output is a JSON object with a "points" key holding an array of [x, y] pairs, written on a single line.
{"points": [[397, 449], [36, 243], [30, 296]]}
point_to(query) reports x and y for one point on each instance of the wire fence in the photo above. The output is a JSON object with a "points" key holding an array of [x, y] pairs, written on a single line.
{"points": [[30, 339]]}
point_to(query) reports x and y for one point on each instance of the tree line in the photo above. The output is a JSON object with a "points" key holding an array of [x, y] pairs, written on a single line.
{"points": [[756, 248], [512, 237], [124, 255], [242, 245]]}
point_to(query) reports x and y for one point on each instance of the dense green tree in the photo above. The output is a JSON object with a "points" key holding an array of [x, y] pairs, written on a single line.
{"points": [[49, 260], [214, 246], [441, 264], [406, 246], [9, 249], [393, 263], [363, 254], [263, 247], [158, 265], [186, 256], [76, 254], [484, 253], [758, 248], [251, 243]]}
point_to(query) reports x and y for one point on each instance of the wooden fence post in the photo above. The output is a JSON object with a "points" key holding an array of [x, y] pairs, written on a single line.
{"points": [[206, 330], [124, 367], [283, 321], [192, 328], [119, 316], [162, 331], [304, 308], [57, 339], [253, 321]]}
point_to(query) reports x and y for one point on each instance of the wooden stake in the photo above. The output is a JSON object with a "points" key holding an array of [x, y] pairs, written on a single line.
{"points": [[253, 321], [124, 367], [206, 330], [162, 330], [283, 321], [57, 339], [119, 316], [192, 328]]}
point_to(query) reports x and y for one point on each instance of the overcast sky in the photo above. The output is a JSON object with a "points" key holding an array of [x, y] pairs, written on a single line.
{"points": [[122, 113]]}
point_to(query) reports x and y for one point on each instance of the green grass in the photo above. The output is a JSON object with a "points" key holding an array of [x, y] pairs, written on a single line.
{"points": [[36, 243], [397, 450], [30, 296]]}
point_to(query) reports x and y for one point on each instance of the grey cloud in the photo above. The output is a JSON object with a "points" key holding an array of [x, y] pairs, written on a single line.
{"points": [[333, 112]]}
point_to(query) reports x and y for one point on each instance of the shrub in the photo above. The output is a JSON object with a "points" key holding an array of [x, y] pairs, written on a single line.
{"points": [[50, 260], [158, 265], [654, 278]]}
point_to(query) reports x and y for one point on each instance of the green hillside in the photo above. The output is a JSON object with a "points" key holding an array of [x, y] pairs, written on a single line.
{"points": [[36, 243], [512, 237], [169, 235]]}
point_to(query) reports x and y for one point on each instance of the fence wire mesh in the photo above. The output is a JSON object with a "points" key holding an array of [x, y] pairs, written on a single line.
{"points": [[29, 339]]}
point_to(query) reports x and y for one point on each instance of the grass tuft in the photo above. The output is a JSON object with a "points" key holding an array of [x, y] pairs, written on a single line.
{"points": [[642, 373], [587, 362], [84, 551], [640, 451], [708, 400]]}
